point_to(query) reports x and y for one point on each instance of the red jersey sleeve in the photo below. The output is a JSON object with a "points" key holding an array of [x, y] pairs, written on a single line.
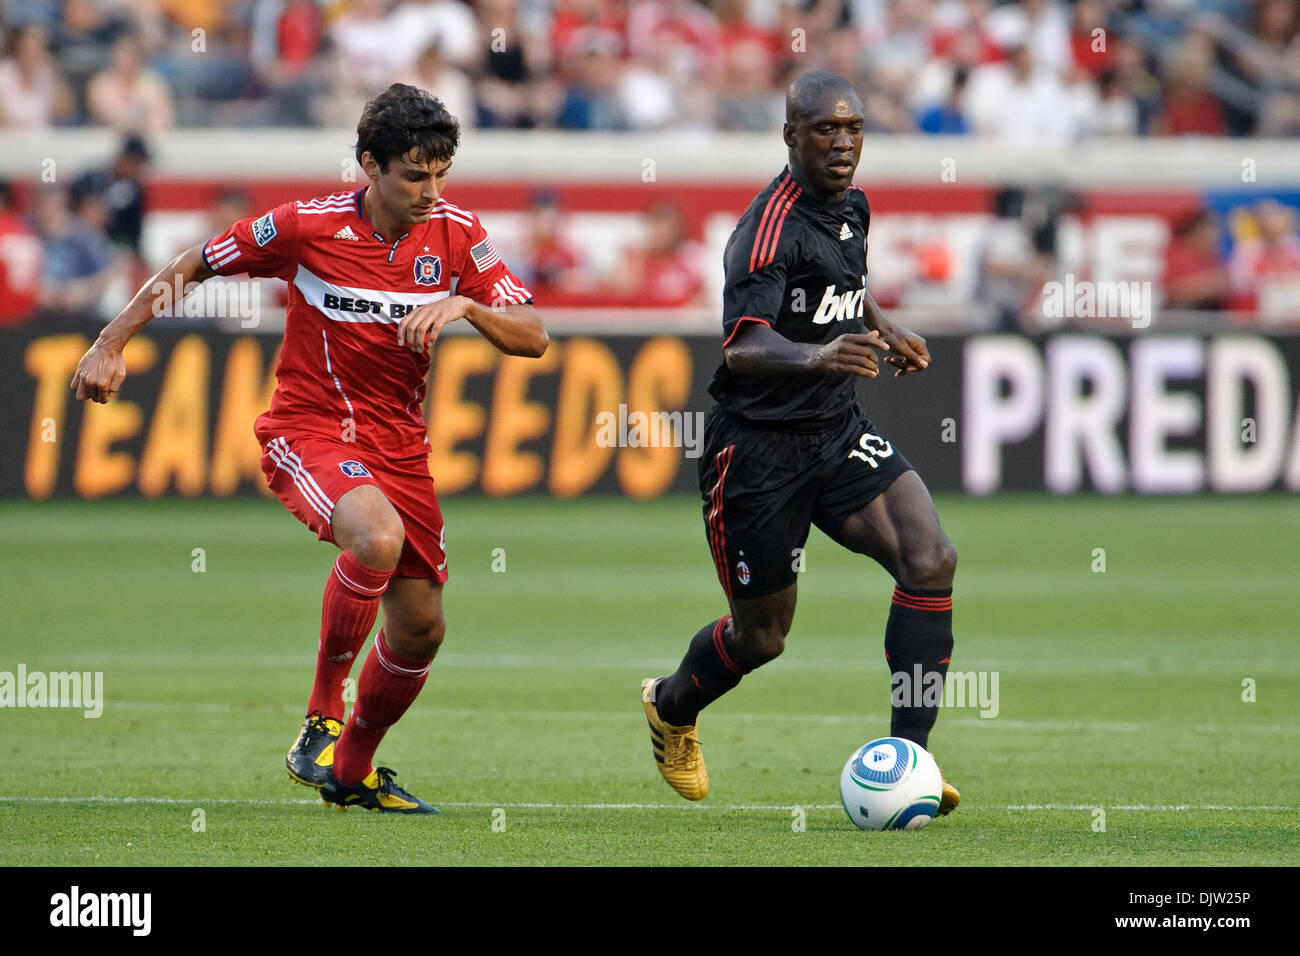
{"points": [[263, 246], [483, 276]]}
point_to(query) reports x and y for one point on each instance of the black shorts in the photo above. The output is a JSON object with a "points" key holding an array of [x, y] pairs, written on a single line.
{"points": [[763, 488]]}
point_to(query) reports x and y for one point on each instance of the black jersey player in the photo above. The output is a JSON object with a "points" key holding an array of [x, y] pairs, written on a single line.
{"points": [[787, 445]]}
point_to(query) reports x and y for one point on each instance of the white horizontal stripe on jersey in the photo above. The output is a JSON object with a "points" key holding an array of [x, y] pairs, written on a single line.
{"points": [[505, 295], [454, 212], [353, 304], [219, 250], [330, 198], [222, 258], [516, 288], [328, 210]]}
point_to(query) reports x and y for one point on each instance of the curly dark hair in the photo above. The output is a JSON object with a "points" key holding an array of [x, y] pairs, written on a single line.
{"points": [[403, 120]]}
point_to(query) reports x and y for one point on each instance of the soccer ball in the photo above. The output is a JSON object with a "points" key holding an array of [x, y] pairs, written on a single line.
{"points": [[890, 784]]}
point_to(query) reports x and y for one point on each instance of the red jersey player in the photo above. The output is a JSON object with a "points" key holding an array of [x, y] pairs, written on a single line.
{"points": [[374, 276], [21, 256]]}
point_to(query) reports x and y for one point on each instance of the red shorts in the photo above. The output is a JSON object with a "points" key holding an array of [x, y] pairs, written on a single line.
{"points": [[310, 474]]}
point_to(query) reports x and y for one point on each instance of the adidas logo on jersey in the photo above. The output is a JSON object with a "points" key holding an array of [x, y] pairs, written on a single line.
{"points": [[347, 233], [846, 305], [846, 232]]}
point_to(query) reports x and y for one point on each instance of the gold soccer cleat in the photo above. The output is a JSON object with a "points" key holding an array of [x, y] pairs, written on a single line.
{"points": [[676, 749], [948, 799]]}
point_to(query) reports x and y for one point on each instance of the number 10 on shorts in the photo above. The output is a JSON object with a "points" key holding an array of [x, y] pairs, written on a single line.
{"points": [[873, 447]]}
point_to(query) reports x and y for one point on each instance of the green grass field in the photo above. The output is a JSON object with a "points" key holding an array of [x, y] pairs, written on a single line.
{"points": [[1119, 690]]}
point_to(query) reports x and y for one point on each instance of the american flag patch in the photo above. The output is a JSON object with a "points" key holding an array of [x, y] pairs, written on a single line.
{"points": [[484, 255]]}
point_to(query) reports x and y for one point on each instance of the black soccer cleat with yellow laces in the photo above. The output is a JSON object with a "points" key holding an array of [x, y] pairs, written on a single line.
{"points": [[377, 792], [310, 759]]}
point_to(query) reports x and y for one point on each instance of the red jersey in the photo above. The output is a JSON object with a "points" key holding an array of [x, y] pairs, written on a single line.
{"points": [[341, 372], [21, 256]]}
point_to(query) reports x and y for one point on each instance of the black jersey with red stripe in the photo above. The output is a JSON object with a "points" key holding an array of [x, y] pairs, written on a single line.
{"points": [[797, 265]]}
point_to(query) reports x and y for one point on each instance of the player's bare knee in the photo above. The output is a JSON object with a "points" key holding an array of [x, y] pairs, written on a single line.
{"points": [[944, 563], [755, 646], [380, 547], [419, 638], [771, 644], [424, 644], [432, 635], [930, 567]]}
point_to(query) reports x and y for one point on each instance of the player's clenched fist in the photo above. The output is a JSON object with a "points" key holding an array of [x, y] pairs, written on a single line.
{"points": [[99, 374], [852, 354]]}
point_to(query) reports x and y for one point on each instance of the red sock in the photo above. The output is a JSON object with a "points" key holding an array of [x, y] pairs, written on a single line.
{"points": [[388, 685], [348, 612]]}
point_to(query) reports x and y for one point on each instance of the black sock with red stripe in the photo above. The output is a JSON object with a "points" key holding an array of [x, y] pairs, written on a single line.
{"points": [[708, 671], [918, 646]]}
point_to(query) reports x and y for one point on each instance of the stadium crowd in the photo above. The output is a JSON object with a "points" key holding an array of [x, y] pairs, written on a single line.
{"points": [[1043, 70], [1028, 72]]}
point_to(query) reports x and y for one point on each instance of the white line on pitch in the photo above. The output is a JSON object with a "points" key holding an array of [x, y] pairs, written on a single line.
{"points": [[1008, 666], [783, 807], [988, 723]]}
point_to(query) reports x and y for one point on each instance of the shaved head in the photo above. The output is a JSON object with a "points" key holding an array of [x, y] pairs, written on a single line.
{"points": [[823, 130], [810, 92]]}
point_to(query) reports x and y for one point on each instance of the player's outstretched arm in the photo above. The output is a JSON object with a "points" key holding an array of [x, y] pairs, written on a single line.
{"points": [[101, 370], [514, 329], [908, 348], [758, 349]]}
